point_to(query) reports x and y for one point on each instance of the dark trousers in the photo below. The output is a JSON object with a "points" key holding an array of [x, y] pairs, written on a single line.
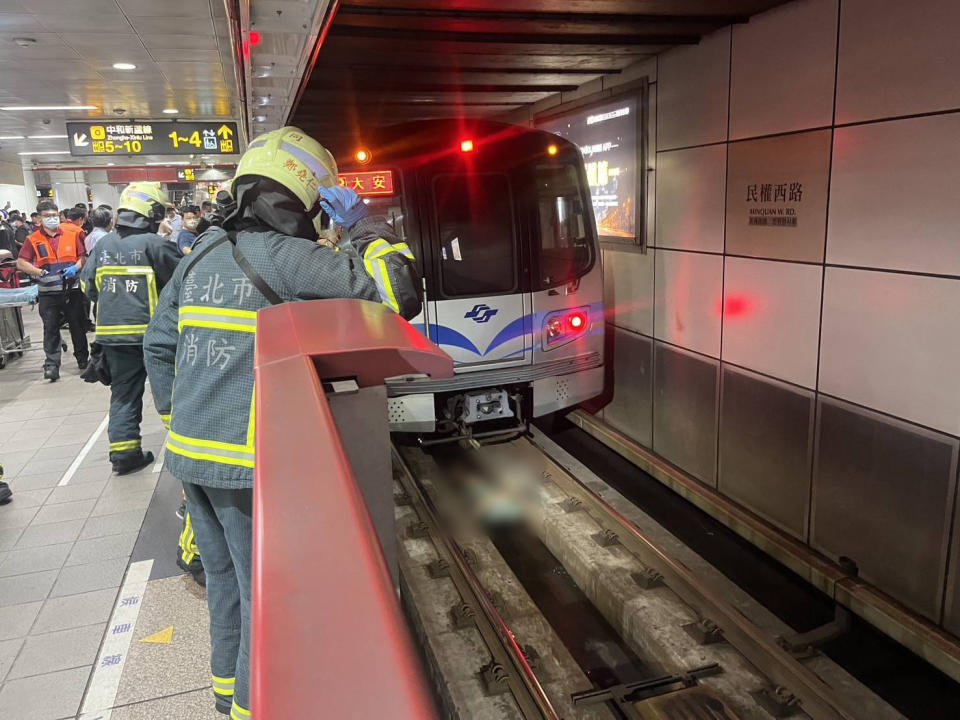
{"points": [[223, 525], [53, 307], [128, 375]]}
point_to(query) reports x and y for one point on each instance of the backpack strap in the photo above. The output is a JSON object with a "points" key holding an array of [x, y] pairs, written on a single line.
{"points": [[254, 277]]}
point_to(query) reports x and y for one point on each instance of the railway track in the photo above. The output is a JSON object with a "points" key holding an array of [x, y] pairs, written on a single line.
{"points": [[692, 655]]}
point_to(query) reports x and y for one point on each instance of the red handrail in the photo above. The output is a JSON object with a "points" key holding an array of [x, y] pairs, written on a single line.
{"points": [[329, 639]]}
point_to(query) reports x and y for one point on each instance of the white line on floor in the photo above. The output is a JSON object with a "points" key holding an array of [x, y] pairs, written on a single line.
{"points": [[83, 453], [105, 683], [158, 465]]}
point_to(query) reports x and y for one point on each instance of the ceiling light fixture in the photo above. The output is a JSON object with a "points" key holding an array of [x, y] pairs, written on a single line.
{"points": [[14, 108], [46, 137], [11, 137], [46, 152], [170, 111], [260, 118], [170, 162], [124, 66], [25, 41], [110, 164]]}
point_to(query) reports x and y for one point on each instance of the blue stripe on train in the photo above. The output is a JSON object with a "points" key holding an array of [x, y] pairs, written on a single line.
{"points": [[443, 335]]}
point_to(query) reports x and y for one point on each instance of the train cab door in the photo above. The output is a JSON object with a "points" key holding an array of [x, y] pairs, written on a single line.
{"points": [[479, 311]]}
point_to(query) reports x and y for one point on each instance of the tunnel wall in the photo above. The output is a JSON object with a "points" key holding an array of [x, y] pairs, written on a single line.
{"points": [[804, 363]]}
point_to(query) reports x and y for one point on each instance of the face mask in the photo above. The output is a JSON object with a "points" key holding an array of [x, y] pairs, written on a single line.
{"points": [[190, 224], [51, 223]]}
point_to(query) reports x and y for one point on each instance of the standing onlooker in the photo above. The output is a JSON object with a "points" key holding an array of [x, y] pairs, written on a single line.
{"points": [[102, 221], [53, 256], [85, 223], [7, 237], [191, 220], [77, 216], [20, 231], [36, 221]]}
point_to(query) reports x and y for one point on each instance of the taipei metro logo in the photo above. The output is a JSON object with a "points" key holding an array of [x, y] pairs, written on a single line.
{"points": [[481, 313]]}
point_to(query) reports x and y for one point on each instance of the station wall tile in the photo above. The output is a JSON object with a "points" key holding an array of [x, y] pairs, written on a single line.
{"points": [[630, 411], [892, 342], [685, 411], [689, 292], [691, 184], [771, 318], [897, 58], [651, 209], [692, 91], [788, 174], [628, 285], [782, 69], [951, 608], [766, 448], [883, 495], [893, 196]]}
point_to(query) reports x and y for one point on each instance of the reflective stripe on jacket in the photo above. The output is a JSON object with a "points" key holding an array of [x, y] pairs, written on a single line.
{"points": [[204, 330], [55, 261], [125, 275]]}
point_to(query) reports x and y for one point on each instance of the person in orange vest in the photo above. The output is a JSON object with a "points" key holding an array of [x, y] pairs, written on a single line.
{"points": [[53, 256]]}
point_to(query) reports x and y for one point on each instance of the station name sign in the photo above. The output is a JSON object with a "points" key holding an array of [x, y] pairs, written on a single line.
{"points": [[369, 183], [151, 137]]}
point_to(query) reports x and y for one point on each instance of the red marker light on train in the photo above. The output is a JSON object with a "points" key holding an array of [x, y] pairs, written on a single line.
{"points": [[563, 326], [466, 146], [254, 38], [552, 149]]}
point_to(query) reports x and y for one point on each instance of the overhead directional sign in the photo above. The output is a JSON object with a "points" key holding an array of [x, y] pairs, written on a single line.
{"points": [[152, 137]]}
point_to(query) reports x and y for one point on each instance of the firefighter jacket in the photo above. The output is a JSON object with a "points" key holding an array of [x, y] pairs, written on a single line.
{"points": [[124, 276], [203, 333]]}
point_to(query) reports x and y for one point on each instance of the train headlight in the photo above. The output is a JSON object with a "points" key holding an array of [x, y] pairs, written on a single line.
{"points": [[564, 325], [554, 329]]}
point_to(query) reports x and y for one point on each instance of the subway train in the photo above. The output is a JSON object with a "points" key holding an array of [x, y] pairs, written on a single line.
{"points": [[500, 220]]}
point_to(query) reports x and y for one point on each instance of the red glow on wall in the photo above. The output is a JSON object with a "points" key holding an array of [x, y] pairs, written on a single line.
{"points": [[254, 38], [736, 306]]}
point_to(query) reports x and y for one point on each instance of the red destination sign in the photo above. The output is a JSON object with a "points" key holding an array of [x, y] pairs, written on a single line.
{"points": [[369, 182]]}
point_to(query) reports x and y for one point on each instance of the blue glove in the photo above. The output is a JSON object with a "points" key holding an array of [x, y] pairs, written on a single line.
{"points": [[343, 205], [71, 272]]}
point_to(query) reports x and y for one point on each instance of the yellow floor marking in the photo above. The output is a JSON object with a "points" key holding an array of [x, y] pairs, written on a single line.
{"points": [[164, 637]]}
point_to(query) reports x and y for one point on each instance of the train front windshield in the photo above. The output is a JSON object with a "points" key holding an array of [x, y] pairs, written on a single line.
{"points": [[392, 209]]}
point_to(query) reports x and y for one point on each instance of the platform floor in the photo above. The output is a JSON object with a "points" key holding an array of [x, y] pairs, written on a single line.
{"points": [[87, 563]]}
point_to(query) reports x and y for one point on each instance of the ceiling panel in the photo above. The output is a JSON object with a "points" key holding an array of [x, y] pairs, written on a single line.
{"points": [[21, 22], [70, 19], [48, 46], [180, 8], [173, 25], [154, 41], [45, 9]]}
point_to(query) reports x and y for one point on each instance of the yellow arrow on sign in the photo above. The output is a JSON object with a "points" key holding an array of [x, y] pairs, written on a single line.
{"points": [[224, 132], [164, 637]]}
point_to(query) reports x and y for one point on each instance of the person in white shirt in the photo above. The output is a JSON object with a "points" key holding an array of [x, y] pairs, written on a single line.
{"points": [[102, 220]]}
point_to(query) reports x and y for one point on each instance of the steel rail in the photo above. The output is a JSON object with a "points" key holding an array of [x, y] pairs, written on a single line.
{"points": [[815, 697], [522, 682]]}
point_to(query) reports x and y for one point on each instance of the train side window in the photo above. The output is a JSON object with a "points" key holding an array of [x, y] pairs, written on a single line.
{"points": [[476, 234], [566, 251]]}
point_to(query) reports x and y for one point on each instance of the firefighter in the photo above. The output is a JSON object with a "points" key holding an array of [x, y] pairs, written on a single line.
{"points": [[124, 276], [203, 332]]}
